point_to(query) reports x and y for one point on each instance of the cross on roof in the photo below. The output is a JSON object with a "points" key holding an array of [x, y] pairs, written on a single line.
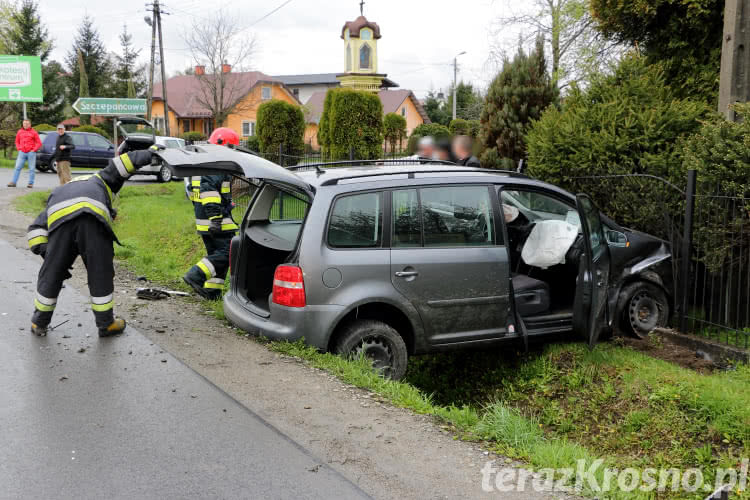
{"points": [[362, 7]]}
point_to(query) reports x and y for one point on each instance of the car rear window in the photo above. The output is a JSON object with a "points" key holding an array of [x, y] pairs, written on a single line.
{"points": [[357, 221]]}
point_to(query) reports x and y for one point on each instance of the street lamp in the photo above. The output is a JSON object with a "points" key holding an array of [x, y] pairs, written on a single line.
{"points": [[455, 74]]}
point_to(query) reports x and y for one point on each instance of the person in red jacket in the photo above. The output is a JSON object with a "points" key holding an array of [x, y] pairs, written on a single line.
{"points": [[27, 144]]}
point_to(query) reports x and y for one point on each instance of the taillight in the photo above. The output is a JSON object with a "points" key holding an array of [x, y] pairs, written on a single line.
{"points": [[288, 286]]}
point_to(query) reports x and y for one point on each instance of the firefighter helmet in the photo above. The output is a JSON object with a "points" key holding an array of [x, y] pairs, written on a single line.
{"points": [[224, 136]]}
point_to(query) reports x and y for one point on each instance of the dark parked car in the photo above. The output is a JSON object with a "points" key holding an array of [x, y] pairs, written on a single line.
{"points": [[91, 150], [392, 261]]}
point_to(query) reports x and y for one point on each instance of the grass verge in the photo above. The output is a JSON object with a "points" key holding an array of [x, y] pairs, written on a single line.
{"points": [[550, 408]]}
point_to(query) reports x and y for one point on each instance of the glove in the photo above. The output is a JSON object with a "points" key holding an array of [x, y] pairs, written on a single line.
{"points": [[215, 227], [140, 158]]}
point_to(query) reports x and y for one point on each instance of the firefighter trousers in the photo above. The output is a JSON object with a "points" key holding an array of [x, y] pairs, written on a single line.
{"points": [[211, 270], [88, 237]]}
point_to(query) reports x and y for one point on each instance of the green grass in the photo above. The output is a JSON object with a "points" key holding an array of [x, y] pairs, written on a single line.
{"points": [[549, 408]]}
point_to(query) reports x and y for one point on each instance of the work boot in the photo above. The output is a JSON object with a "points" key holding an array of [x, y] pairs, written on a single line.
{"points": [[116, 328], [196, 285], [39, 331], [30, 186], [11, 184]]}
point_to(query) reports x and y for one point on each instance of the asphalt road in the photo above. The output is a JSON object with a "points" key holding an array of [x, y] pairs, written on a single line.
{"points": [[48, 180], [83, 417]]}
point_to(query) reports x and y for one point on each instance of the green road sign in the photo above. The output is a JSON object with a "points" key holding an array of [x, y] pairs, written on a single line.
{"points": [[109, 106], [20, 79]]}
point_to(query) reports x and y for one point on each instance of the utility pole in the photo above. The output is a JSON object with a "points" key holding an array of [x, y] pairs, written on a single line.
{"points": [[455, 84], [157, 12], [734, 85], [152, 22]]}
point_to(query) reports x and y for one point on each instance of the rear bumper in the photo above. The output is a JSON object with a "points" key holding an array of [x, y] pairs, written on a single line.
{"points": [[313, 323]]}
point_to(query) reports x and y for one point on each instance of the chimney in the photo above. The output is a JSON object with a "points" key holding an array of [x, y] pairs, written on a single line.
{"points": [[226, 68], [200, 70]]}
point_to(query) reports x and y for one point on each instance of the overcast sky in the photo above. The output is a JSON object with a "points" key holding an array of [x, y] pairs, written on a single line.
{"points": [[420, 37]]}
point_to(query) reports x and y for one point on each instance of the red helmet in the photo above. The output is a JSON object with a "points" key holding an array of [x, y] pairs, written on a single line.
{"points": [[224, 136]]}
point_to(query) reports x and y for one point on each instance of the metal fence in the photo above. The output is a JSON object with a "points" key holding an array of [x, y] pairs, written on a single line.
{"points": [[718, 301]]}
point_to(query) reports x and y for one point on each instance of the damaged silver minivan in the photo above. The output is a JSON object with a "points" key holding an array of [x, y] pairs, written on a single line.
{"points": [[392, 260]]}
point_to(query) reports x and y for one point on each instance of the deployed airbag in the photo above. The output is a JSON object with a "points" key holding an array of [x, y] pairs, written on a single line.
{"points": [[548, 243]]}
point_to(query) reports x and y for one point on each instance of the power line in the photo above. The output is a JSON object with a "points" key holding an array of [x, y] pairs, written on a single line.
{"points": [[267, 15]]}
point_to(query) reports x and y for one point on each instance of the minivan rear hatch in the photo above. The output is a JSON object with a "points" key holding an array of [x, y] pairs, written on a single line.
{"points": [[211, 159]]}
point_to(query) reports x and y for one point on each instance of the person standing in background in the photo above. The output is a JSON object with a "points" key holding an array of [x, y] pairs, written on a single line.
{"points": [[27, 144], [62, 154], [462, 152]]}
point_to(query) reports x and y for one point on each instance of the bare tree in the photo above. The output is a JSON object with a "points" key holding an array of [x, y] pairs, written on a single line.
{"points": [[218, 44], [575, 46]]}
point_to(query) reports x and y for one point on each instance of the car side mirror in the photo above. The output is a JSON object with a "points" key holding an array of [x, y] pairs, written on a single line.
{"points": [[617, 239]]}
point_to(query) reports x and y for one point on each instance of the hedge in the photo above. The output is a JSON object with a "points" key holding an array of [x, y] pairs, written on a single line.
{"points": [[434, 130], [353, 121], [281, 124], [628, 122], [44, 127], [94, 130], [394, 128], [190, 137]]}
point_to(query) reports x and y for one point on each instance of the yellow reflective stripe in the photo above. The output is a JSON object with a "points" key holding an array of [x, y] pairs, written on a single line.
{"points": [[208, 284], [200, 227], [103, 307], [72, 208], [210, 199], [128, 164], [216, 217], [226, 227], [37, 241], [109, 191], [205, 269], [225, 190], [43, 307]]}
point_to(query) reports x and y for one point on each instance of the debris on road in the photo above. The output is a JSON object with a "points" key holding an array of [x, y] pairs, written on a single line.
{"points": [[158, 294], [81, 349], [64, 377]]}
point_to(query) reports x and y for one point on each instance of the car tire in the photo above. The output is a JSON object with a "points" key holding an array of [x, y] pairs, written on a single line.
{"points": [[165, 174], [643, 307], [379, 342], [52, 167]]}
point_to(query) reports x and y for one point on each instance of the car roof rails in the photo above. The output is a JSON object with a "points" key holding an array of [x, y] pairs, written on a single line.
{"points": [[383, 162], [509, 173]]}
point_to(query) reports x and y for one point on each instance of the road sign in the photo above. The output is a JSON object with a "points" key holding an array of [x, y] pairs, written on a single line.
{"points": [[109, 106], [20, 79]]}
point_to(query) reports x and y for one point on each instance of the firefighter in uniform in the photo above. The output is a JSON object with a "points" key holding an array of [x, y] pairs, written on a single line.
{"points": [[212, 200], [78, 221]]}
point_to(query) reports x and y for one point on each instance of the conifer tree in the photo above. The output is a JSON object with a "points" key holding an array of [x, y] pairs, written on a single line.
{"points": [[517, 96]]}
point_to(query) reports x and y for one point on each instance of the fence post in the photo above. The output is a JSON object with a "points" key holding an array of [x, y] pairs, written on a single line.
{"points": [[281, 205], [687, 245], [281, 154], [351, 153]]}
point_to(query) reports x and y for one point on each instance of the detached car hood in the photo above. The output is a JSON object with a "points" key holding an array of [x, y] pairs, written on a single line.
{"points": [[210, 159]]}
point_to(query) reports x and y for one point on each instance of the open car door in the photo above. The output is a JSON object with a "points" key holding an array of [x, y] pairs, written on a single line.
{"points": [[590, 307], [211, 159]]}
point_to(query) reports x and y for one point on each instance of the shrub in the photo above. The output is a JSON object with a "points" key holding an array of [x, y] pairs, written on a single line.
{"points": [[352, 119], [517, 96], [193, 136], [253, 143], [93, 130], [628, 122], [720, 153], [7, 141], [435, 130], [280, 124], [394, 127], [44, 127]]}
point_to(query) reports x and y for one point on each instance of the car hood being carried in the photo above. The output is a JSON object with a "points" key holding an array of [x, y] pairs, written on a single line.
{"points": [[211, 159]]}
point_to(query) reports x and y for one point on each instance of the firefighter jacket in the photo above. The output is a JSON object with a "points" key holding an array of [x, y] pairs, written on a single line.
{"points": [[91, 194], [212, 199]]}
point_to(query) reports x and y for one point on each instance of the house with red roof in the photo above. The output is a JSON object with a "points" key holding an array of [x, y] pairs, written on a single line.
{"points": [[188, 95]]}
